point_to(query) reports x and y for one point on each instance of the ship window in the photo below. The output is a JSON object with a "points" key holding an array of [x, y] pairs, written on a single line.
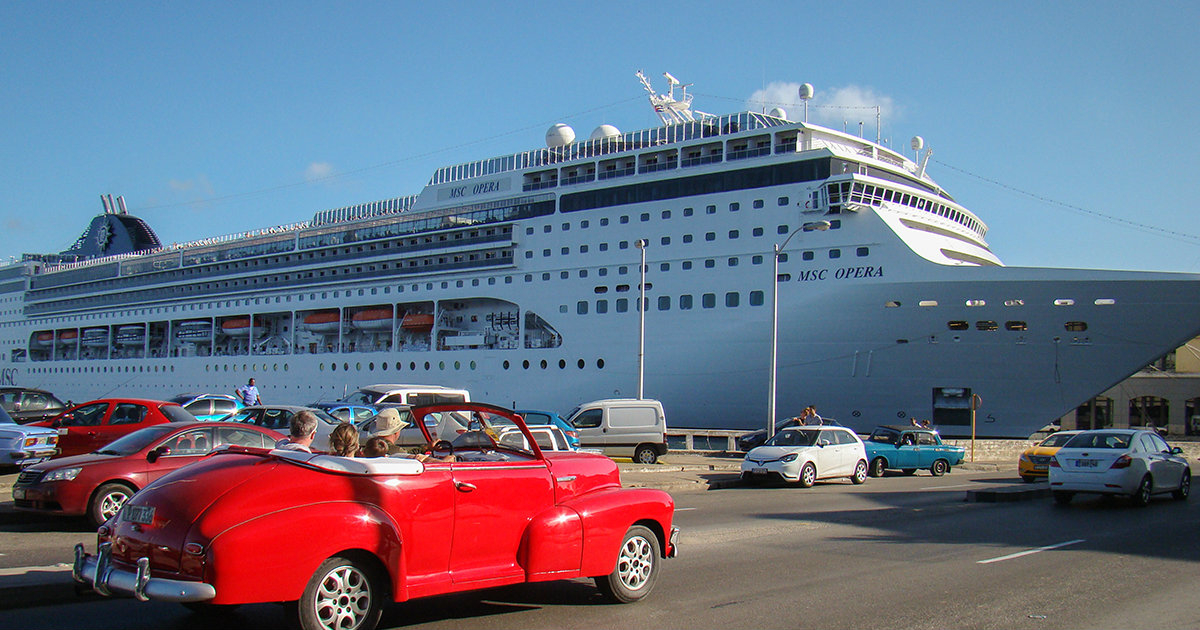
{"points": [[622, 305], [986, 325], [782, 229], [664, 267], [664, 303], [603, 247], [546, 228], [624, 219], [892, 304], [600, 290], [623, 245], [1076, 326], [602, 272], [583, 249], [528, 231], [756, 298], [687, 238], [758, 203], [1015, 326], [583, 225], [687, 212], [735, 206], [563, 275], [757, 231], [603, 221], [622, 270], [583, 273], [490, 281], [666, 214], [529, 254], [732, 299], [733, 262], [566, 251], [957, 325], [708, 300], [863, 252], [807, 255], [685, 302], [545, 276], [927, 303], [835, 253], [666, 240], [710, 263], [976, 303], [756, 260], [645, 216], [687, 264], [783, 201], [1064, 302], [545, 253], [1014, 302], [601, 306], [733, 234], [566, 226], [622, 288], [1105, 302]]}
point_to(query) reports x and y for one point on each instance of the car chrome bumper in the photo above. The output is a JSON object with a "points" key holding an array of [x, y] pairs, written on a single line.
{"points": [[98, 572]]}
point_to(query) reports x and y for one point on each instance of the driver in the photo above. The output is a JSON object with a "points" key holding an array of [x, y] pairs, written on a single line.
{"points": [[388, 425]]}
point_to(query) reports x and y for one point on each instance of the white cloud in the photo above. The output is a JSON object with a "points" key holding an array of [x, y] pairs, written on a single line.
{"points": [[199, 184], [851, 104], [318, 171]]}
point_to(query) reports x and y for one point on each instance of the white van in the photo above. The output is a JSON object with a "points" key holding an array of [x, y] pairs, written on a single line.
{"points": [[622, 427], [404, 394]]}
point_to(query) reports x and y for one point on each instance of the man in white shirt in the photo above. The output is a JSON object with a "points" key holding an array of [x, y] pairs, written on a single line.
{"points": [[302, 429]]}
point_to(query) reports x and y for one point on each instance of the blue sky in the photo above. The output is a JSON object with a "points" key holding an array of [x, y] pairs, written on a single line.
{"points": [[1068, 127]]}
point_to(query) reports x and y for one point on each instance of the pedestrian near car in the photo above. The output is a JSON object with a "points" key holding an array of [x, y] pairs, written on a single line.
{"points": [[248, 394], [302, 428], [343, 440]]}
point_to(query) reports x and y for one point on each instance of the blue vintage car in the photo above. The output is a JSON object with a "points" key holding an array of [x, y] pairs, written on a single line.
{"points": [[910, 448]]}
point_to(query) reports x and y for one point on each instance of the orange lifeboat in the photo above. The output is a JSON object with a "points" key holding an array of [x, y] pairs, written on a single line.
{"points": [[373, 319], [241, 326], [417, 321], [69, 337], [322, 321], [43, 338]]}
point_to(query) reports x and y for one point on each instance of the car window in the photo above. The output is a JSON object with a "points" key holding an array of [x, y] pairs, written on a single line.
{"points": [[127, 413], [1159, 444], [222, 406], [588, 419], [33, 401], [199, 407], [926, 439], [908, 439], [240, 437], [193, 442], [361, 398], [341, 413], [536, 418], [86, 416], [175, 413], [275, 419], [8, 400], [794, 437], [883, 436], [1099, 440], [361, 412], [845, 437], [1058, 439]]}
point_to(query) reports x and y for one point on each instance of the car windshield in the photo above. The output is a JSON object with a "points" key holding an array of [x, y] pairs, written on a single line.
{"points": [[1099, 440], [1058, 439], [884, 436], [324, 417], [361, 397], [137, 440], [176, 414], [794, 437]]}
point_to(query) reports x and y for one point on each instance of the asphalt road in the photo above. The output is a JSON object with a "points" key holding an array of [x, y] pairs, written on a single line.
{"points": [[897, 552]]}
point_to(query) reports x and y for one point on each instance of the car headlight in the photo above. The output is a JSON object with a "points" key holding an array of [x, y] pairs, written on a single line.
{"points": [[62, 474], [791, 457], [1024, 457]]}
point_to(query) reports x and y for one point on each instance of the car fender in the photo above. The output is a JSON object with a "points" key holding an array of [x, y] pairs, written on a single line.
{"points": [[608, 513], [289, 544], [552, 547]]}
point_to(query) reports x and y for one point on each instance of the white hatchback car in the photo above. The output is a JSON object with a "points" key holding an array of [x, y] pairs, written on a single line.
{"points": [[806, 454], [1126, 462]]}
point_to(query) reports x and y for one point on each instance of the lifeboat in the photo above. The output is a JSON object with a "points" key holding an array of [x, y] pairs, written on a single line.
{"points": [[43, 338], [69, 337], [193, 330], [241, 326], [95, 337], [131, 335], [372, 319], [417, 321], [322, 321]]}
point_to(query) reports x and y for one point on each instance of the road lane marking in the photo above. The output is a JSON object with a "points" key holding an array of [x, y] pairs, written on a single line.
{"points": [[684, 509], [53, 568], [1031, 551]]}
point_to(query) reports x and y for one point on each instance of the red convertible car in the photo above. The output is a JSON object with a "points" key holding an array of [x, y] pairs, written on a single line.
{"points": [[474, 514], [97, 484], [85, 428]]}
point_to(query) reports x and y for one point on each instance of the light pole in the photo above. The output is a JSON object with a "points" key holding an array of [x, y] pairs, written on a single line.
{"points": [[641, 245], [816, 226]]}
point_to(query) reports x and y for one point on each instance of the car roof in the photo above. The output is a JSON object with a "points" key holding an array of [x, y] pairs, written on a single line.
{"points": [[900, 428], [144, 401], [13, 388]]}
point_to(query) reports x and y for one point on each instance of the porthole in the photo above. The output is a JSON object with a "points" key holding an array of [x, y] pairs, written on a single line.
{"points": [[927, 303], [1064, 302], [544, 364], [581, 364], [1014, 302], [1105, 302], [358, 367], [976, 303], [412, 366], [472, 365], [426, 366], [525, 364], [285, 367], [1076, 326], [322, 366], [333, 367], [441, 365], [600, 363], [1015, 326], [458, 365], [986, 325], [958, 325], [346, 367], [505, 364]]}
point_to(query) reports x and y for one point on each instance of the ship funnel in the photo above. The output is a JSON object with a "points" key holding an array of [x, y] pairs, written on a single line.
{"points": [[121, 204], [104, 202]]}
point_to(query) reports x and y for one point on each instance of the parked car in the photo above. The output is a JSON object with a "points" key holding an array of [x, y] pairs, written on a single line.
{"points": [[97, 484], [406, 394], [747, 441], [910, 448], [87, 427], [536, 417], [208, 406], [210, 532], [279, 417], [354, 414], [23, 445], [1129, 462], [622, 427], [806, 454], [27, 405], [547, 436], [1034, 462]]}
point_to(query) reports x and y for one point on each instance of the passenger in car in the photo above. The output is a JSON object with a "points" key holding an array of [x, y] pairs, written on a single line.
{"points": [[387, 426], [375, 447], [302, 428], [343, 440]]}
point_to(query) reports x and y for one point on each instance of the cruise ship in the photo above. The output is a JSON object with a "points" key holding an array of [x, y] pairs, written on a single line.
{"points": [[518, 277]]}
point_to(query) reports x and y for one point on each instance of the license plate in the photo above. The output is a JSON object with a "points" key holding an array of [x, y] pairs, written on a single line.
{"points": [[1040, 467], [62, 431], [19, 493], [1087, 463], [143, 514], [759, 471]]}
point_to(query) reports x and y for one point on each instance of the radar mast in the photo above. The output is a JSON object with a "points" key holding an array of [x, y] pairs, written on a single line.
{"points": [[669, 110]]}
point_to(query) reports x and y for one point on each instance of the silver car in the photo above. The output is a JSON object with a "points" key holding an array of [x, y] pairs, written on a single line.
{"points": [[22, 445]]}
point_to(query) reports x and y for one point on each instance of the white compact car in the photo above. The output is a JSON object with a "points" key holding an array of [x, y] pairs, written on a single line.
{"points": [[806, 454], [1126, 462]]}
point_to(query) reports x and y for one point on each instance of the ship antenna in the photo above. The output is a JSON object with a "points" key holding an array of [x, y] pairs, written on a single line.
{"points": [[669, 110]]}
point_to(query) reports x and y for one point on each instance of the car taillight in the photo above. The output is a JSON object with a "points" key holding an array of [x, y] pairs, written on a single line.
{"points": [[1123, 461], [1054, 462]]}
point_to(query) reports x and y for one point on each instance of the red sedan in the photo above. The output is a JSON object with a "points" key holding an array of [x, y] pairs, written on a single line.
{"points": [[85, 428], [406, 527], [99, 483]]}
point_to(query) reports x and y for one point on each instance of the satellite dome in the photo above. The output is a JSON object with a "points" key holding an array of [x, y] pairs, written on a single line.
{"points": [[806, 91], [918, 143], [560, 135], [778, 112], [605, 132]]}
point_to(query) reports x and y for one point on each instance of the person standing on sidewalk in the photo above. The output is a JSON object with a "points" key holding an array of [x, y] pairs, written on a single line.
{"points": [[248, 393]]}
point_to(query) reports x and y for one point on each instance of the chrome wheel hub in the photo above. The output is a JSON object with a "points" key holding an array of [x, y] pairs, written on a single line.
{"points": [[635, 563], [343, 599]]}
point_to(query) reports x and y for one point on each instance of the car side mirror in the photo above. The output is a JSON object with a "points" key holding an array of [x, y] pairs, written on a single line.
{"points": [[57, 423], [1175, 450], [154, 454]]}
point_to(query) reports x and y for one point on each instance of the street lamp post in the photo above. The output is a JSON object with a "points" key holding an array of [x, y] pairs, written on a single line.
{"points": [[641, 245], [816, 226]]}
